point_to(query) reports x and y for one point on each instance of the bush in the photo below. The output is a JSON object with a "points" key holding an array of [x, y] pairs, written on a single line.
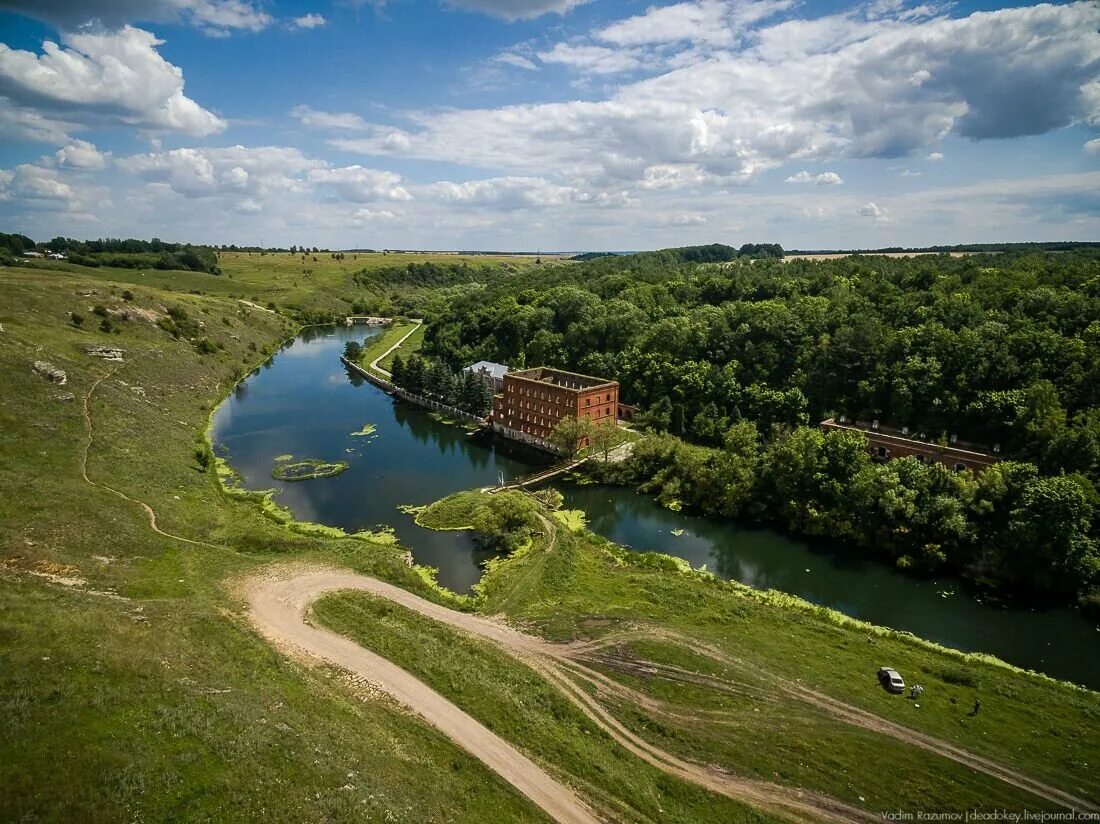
{"points": [[204, 346], [127, 295], [76, 318]]}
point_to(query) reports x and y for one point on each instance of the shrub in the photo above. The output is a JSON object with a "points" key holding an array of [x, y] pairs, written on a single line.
{"points": [[204, 346], [127, 295], [76, 318]]}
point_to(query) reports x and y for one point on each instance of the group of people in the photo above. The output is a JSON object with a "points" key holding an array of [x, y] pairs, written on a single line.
{"points": [[916, 691]]}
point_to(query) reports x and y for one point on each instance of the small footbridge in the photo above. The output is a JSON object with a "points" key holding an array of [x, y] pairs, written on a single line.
{"points": [[539, 477]]}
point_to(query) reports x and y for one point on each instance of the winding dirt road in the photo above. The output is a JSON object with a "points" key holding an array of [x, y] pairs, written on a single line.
{"points": [[278, 609], [279, 603]]}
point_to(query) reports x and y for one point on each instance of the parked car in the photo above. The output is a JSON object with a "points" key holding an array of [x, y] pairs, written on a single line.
{"points": [[890, 680]]}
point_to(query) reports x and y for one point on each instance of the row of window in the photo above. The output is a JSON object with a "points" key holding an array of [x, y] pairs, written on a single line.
{"points": [[883, 452]]}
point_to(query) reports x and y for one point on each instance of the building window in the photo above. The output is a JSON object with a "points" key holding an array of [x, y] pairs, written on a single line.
{"points": [[959, 467], [587, 401]]}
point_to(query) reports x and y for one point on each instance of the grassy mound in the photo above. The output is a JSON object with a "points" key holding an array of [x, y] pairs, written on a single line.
{"points": [[307, 470]]}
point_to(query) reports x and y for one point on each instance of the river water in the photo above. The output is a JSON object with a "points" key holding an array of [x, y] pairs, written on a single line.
{"points": [[304, 402]]}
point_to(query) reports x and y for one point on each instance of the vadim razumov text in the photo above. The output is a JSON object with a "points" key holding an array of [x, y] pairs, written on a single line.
{"points": [[978, 816]]}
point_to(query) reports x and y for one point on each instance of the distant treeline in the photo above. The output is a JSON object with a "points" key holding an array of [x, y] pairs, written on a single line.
{"points": [[710, 253], [128, 253], [1042, 246]]}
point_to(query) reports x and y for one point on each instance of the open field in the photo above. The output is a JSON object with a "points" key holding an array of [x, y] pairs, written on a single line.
{"points": [[128, 666]]}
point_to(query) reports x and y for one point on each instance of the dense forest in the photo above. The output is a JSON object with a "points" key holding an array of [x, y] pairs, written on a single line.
{"points": [[996, 349]]}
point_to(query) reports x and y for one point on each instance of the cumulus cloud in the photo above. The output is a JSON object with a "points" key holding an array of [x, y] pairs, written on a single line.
{"points": [[1093, 146], [502, 193], [213, 16], [872, 210], [308, 21], [341, 121], [935, 157], [831, 88], [360, 185], [823, 179], [516, 9], [236, 170], [101, 79], [80, 154]]}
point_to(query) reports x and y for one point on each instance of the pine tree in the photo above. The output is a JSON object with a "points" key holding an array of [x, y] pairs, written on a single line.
{"points": [[397, 371]]}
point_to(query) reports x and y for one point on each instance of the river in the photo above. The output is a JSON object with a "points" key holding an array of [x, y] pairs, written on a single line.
{"points": [[304, 402]]}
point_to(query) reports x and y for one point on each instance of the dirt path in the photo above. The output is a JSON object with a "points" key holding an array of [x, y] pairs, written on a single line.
{"points": [[278, 605], [374, 363], [150, 513], [278, 609], [848, 713]]}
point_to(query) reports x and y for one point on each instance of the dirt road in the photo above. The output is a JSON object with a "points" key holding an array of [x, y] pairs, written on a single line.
{"points": [[278, 609], [278, 606]]}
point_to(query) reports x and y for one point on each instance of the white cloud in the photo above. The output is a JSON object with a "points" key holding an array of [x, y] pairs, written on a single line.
{"points": [[516, 9], [872, 210], [344, 121], [360, 185], [592, 59], [236, 170], [935, 157], [308, 21], [517, 60], [502, 193], [80, 154], [365, 216], [1093, 146], [713, 22], [823, 179], [808, 90], [910, 173], [107, 79], [215, 17]]}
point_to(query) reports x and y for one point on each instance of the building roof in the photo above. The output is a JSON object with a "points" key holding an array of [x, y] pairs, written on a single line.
{"points": [[559, 377], [917, 439], [494, 370]]}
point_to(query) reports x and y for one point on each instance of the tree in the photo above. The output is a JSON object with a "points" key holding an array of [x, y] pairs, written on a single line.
{"points": [[571, 434], [603, 438], [352, 351], [397, 371], [505, 521]]}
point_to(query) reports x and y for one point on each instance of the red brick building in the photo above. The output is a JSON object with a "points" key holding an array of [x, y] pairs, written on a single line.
{"points": [[535, 400], [886, 444]]}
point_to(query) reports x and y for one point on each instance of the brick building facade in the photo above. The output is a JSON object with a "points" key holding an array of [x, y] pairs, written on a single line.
{"points": [[885, 444], [535, 400]]}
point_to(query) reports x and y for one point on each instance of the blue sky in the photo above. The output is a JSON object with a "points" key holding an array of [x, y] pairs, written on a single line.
{"points": [[550, 124]]}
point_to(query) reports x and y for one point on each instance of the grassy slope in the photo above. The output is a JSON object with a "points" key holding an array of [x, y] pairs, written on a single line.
{"points": [[409, 347], [516, 703], [161, 703], [588, 587], [383, 342]]}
